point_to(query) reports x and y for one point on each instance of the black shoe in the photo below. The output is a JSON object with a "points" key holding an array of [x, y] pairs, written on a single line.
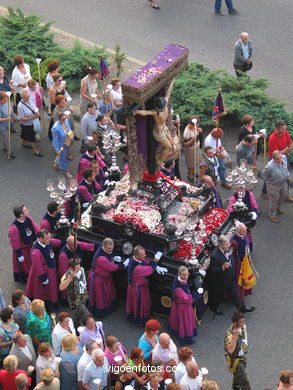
{"points": [[233, 12], [39, 154], [12, 156], [219, 13], [247, 309], [76, 138], [218, 312]]}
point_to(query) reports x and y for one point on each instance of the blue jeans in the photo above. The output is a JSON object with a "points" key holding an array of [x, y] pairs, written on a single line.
{"points": [[218, 4], [222, 170]]}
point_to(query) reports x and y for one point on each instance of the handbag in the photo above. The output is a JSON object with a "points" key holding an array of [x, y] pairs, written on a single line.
{"points": [[36, 121], [69, 137]]}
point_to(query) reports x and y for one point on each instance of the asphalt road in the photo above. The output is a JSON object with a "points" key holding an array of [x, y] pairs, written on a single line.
{"points": [[142, 32], [210, 39]]}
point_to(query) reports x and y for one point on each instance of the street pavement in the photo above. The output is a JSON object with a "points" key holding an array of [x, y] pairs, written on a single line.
{"points": [[210, 39]]}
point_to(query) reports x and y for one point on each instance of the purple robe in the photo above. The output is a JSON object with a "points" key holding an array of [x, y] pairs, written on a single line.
{"points": [[182, 320], [102, 292], [239, 245], [41, 270], [138, 301], [22, 245], [48, 222]]}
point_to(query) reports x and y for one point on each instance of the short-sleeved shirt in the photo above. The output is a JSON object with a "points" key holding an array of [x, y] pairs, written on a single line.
{"points": [[279, 142], [92, 371], [4, 114], [23, 110], [7, 335]]}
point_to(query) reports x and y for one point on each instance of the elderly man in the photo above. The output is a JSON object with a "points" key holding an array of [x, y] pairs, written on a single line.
{"points": [[165, 350], [222, 278], [246, 150], [85, 359], [214, 141], [192, 379], [242, 55], [98, 368], [236, 351], [276, 176], [23, 349], [21, 381]]}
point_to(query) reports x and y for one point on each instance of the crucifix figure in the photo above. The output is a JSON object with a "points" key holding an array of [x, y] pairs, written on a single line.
{"points": [[161, 132]]}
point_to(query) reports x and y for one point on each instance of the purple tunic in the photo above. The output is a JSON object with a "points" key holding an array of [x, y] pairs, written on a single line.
{"points": [[102, 292], [21, 269], [39, 272], [182, 320], [138, 301]]}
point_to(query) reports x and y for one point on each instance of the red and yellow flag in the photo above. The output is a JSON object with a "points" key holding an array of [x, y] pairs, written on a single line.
{"points": [[246, 278]]}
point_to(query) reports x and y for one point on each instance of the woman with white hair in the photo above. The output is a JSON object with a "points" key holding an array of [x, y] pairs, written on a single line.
{"points": [[182, 321]]}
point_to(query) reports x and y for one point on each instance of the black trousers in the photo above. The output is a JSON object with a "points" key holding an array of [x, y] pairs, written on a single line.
{"points": [[216, 295]]}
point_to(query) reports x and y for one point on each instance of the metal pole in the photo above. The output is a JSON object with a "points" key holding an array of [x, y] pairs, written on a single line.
{"points": [[8, 93]]}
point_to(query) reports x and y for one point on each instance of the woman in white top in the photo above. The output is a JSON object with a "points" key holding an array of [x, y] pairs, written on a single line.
{"points": [[191, 141], [20, 76], [46, 359], [64, 327], [53, 67], [116, 92], [89, 87]]}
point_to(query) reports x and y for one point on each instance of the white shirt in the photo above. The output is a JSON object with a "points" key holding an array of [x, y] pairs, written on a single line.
{"points": [[43, 363], [165, 354], [211, 141], [26, 351], [21, 78], [57, 335], [117, 95], [82, 363], [188, 383]]}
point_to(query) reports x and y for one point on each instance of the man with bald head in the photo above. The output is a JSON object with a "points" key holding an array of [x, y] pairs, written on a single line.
{"points": [[98, 368], [229, 4], [242, 55], [165, 350], [192, 379]]}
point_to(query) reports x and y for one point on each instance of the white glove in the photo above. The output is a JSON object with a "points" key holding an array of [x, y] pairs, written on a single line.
{"points": [[126, 262], [158, 255], [46, 282], [106, 182], [161, 270], [253, 215], [200, 290], [85, 204], [117, 259], [106, 174], [21, 259], [202, 272]]}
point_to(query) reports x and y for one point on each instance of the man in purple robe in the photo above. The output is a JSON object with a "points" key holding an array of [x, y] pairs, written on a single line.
{"points": [[182, 320], [42, 279], [138, 301], [67, 252], [51, 217], [102, 292], [85, 160], [88, 188], [22, 234], [240, 244]]}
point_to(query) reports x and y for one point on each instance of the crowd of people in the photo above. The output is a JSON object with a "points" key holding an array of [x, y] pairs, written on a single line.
{"points": [[38, 352]]}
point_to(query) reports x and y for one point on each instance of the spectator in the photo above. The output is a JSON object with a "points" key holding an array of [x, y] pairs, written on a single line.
{"points": [[106, 106], [53, 67], [243, 54], [57, 88], [27, 114], [89, 123], [38, 323], [46, 359], [149, 339], [5, 85], [23, 349], [165, 350], [210, 163], [88, 88], [280, 139], [49, 381], [184, 356], [20, 76], [248, 128], [2, 300], [210, 385], [70, 355], [5, 118], [21, 307], [98, 368], [62, 139], [116, 355], [125, 378], [85, 359], [116, 92], [214, 140], [192, 380], [92, 330], [9, 373], [276, 176], [137, 366], [155, 377], [7, 330], [64, 327], [286, 380], [246, 150], [21, 381], [192, 139], [62, 106]]}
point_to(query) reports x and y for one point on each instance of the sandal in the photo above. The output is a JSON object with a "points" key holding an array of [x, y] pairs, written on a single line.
{"points": [[69, 157]]}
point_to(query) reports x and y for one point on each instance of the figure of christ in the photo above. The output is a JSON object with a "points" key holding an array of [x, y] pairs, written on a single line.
{"points": [[161, 132]]}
